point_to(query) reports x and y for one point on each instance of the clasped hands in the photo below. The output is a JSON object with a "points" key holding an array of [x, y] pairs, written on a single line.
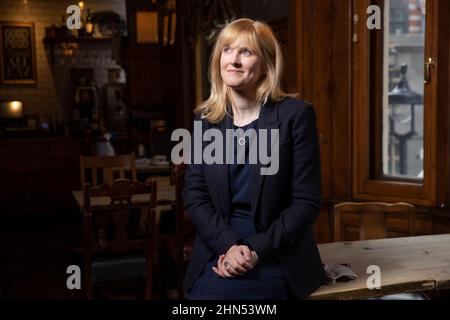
{"points": [[238, 260]]}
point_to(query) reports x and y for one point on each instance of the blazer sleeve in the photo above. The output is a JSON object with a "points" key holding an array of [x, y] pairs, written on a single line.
{"points": [[305, 189], [210, 224]]}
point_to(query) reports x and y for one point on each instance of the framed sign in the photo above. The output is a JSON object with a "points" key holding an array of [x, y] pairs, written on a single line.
{"points": [[17, 53]]}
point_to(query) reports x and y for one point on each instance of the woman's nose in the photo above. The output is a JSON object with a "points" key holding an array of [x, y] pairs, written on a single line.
{"points": [[236, 59]]}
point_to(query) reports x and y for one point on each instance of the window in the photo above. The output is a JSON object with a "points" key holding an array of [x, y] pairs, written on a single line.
{"points": [[394, 111]]}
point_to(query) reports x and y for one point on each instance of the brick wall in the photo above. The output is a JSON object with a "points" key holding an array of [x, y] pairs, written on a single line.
{"points": [[51, 97]]}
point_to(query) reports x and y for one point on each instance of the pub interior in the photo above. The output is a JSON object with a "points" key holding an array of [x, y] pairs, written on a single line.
{"points": [[116, 86]]}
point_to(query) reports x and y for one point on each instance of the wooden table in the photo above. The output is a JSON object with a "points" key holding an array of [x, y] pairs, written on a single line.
{"points": [[165, 195], [152, 169], [144, 166], [149, 170], [165, 199], [408, 264]]}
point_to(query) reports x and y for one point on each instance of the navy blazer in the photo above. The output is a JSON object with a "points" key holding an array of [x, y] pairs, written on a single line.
{"points": [[284, 205]]}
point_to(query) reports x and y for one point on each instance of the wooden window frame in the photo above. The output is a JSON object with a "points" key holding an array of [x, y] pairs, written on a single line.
{"points": [[365, 184]]}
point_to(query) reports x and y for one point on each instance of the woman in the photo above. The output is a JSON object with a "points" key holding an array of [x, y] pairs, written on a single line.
{"points": [[255, 232]]}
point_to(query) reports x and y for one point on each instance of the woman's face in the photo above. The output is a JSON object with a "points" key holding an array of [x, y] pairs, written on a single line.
{"points": [[240, 67]]}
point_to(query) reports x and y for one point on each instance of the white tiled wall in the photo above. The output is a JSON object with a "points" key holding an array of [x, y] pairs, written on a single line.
{"points": [[51, 97]]}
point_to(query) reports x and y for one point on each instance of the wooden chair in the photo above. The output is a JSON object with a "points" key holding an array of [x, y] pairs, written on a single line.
{"points": [[376, 220], [372, 220], [101, 169], [115, 247], [177, 247]]}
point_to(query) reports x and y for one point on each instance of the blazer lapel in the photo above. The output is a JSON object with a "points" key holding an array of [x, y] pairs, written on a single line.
{"points": [[268, 119]]}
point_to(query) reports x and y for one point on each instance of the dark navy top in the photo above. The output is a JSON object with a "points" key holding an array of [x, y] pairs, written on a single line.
{"points": [[240, 186], [266, 280]]}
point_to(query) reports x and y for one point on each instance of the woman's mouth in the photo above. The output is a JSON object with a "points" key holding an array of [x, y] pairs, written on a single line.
{"points": [[234, 71]]}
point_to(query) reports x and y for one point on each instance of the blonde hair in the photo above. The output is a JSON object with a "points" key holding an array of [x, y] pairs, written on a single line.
{"points": [[262, 40]]}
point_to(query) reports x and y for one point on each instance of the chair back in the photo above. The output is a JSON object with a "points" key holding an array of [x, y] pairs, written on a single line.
{"points": [[372, 220], [97, 170], [111, 227]]}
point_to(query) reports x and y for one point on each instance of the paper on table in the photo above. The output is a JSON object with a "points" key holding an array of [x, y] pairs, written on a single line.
{"points": [[338, 272]]}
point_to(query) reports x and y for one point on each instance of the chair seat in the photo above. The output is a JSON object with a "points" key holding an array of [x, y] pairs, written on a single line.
{"points": [[118, 268]]}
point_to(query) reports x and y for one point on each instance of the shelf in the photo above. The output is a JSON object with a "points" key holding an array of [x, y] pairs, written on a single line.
{"points": [[72, 39], [51, 43]]}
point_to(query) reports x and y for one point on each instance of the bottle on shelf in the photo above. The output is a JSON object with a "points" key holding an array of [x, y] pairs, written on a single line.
{"points": [[89, 26]]}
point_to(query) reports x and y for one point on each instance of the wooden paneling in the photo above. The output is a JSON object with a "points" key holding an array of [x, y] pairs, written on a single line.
{"points": [[144, 72], [313, 34], [184, 55], [322, 226], [441, 221], [341, 108], [321, 79], [442, 75], [423, 221]]}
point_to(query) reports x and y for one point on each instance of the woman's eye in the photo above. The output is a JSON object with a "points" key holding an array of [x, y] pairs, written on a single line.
{"points": [[246, 51], [226, 49]]}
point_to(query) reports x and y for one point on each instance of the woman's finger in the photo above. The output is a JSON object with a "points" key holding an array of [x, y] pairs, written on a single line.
{"points": [[217, 271], [236, 266], [246, 253], [227, 274], [225, 270], [234, 269], [221, 266], [229, 270], [243, 263]]}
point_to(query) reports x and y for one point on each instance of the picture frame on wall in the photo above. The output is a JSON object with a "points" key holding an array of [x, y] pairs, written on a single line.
{"points": [[17, 53]]}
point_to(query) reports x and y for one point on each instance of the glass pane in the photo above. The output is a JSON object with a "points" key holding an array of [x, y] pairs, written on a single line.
{"points": [[403, 88]]}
